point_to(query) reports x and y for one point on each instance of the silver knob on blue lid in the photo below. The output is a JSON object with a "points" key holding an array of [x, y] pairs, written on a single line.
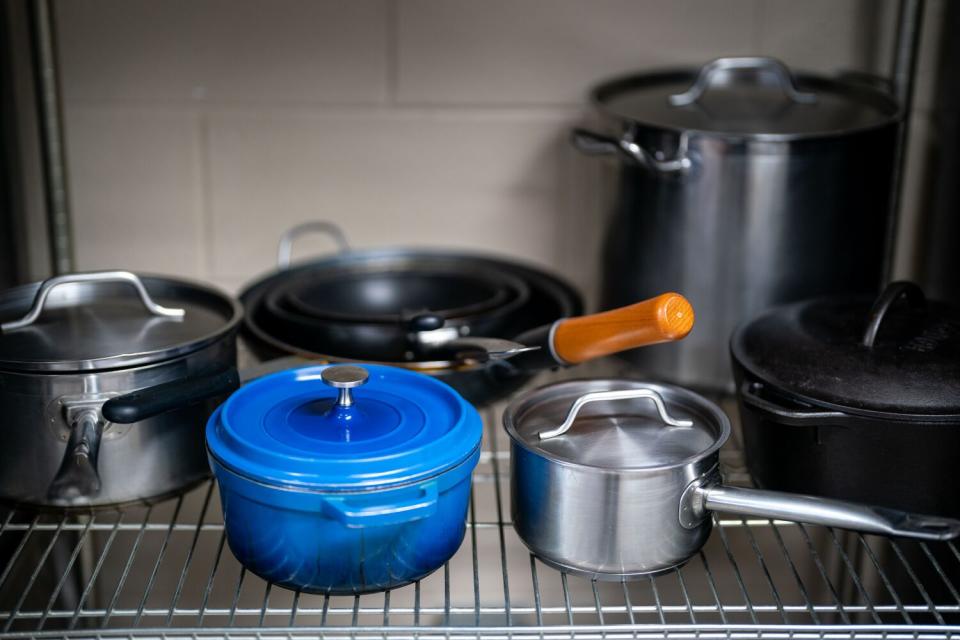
{"points": [[344, 377]]}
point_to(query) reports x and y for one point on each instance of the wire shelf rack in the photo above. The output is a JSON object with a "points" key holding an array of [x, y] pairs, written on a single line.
{"points": [[166, 571]]}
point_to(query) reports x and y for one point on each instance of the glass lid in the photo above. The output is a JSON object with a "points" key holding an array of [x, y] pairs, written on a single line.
{"points": [[108, 319], [617, 424], [342, 427]]}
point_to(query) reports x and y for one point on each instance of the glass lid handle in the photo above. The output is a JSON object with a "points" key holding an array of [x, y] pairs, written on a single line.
{"points": [[710, 71], [344, 378], [96, 277], [619, 394]]}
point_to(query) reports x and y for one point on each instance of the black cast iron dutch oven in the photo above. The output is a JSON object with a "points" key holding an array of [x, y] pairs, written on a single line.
{"points": [[855, 399]]}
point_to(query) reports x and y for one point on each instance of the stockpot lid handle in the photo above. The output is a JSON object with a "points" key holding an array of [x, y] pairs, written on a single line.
{"points": [[619, 394], [329, 229], [912, 293], [95, 277], [709, 72]]}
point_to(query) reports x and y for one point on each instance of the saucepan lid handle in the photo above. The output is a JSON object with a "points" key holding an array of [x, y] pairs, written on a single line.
{"points": [[619, 394]]}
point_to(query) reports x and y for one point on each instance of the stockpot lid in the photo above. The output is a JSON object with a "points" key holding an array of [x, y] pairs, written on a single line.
{"points": [[343, 427], [617, 424], [108, 319], [894, 356], [747, 97]]}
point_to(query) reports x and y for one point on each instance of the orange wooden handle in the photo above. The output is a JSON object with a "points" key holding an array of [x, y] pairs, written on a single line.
{"points": [[665, 318]]}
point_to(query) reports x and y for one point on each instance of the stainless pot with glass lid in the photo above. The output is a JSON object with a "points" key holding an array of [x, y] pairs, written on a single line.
{"points": [[106, 382], [617, 479]]}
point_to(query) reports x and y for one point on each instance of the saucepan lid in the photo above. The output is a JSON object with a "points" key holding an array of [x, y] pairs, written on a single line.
{"points": [[343, 427], [617, 424], [109, 319]]}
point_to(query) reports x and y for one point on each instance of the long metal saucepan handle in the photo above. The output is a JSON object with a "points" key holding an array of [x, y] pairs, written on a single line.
{"points": [[329, 229], [827, 512], [95, 277]]}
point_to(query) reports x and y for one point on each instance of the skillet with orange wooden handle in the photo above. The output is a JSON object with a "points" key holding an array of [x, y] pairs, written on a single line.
{"points": [[665, 318]]}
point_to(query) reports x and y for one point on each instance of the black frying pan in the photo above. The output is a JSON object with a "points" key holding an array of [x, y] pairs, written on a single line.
{"points": [[543, 320]]}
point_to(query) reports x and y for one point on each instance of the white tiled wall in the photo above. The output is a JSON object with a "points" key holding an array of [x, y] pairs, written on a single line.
{"points": [[199, 130]]}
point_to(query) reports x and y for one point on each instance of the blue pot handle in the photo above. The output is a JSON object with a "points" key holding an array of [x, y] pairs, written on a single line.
{"points": [[357, 511]]}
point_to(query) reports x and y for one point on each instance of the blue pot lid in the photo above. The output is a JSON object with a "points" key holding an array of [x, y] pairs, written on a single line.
{"points": [[293, 428]]}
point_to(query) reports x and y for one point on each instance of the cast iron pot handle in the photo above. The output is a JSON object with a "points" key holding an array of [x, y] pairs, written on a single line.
{"points": [[597, 144], [894, 291], [50, 284], [329, 229], [176, 394], [773, 66], [749, 395]]}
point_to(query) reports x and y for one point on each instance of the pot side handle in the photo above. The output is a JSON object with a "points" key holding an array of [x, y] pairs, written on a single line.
{"points": [[355, 512], [329, 229], [77, 478], [665, 318], [597, 144], [827, 512], [176, 394], [795, 417]]}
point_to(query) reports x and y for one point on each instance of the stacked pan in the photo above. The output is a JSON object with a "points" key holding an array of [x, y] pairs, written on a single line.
{"points": [[481, 323]]}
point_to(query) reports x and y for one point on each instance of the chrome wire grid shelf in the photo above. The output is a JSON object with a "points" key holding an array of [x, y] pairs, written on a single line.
{"points": [[165, 571]]}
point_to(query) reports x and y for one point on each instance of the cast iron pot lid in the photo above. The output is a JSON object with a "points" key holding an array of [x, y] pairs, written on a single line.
{"points": [[747, 97], [898, 356], [343, 427], [617, 424], [108, 319]]}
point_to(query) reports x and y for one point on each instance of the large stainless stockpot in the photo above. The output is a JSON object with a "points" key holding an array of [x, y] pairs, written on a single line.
{"points": [[616, 479], [106, 382], [743, 186]]}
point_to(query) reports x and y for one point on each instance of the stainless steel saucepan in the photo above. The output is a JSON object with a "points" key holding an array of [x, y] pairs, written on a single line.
{"points": [[617, 479]]}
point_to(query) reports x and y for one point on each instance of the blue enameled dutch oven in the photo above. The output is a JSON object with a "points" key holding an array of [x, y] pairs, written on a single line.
{"points": [[344, 479]]}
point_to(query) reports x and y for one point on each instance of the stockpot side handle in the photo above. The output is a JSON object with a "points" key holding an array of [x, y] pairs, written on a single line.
{"points": [[94, 277], [830, 513], [709, 72], [169, 396], [329, 229], [619, 394], [749, 396], [909, 291], [77, 478], [597, 144]]}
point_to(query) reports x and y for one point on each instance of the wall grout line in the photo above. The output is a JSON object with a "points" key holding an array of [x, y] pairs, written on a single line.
{"points": [[206, 198], [392, 51]]}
